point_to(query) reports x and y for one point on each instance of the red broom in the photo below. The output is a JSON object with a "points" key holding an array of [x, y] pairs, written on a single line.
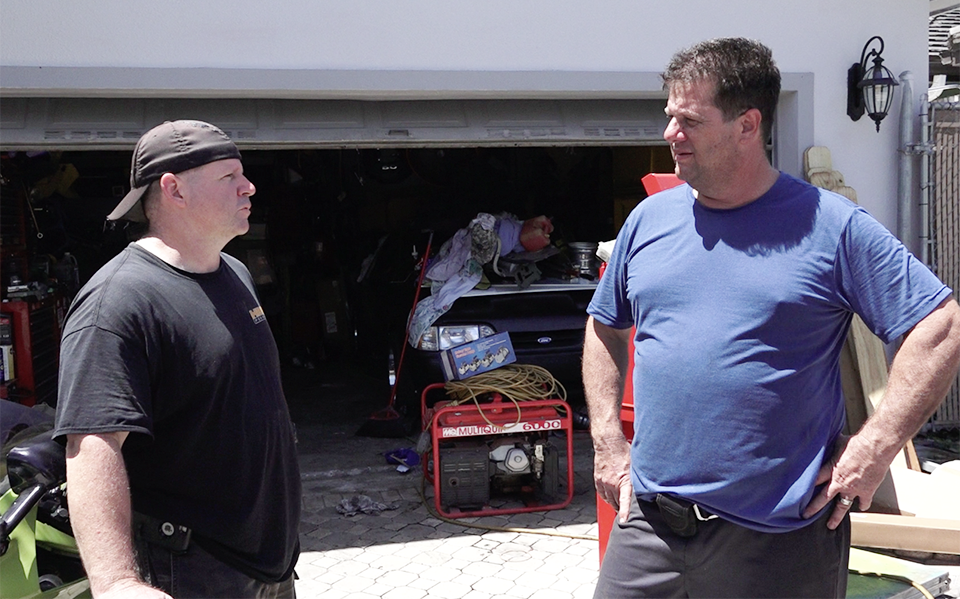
{"points": [[387, 422]]}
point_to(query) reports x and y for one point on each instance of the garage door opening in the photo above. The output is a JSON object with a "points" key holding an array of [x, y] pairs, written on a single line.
{"points": [[335, 233]]}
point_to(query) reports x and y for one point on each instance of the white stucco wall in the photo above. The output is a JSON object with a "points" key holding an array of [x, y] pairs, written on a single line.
{"points": [[822, 37]]}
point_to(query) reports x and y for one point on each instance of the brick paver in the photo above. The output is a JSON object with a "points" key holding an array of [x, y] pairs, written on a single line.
{"points": [[411, 553]]}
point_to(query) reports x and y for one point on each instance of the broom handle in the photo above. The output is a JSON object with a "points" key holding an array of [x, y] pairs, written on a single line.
{"points": [[406, 334]]}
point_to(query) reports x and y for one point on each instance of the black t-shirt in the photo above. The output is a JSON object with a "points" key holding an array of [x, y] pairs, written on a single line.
{"points": [[187, 364]]}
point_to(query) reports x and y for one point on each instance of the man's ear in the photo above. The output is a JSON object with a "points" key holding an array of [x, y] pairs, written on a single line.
{"points": [[171, 188], [750, 124]]}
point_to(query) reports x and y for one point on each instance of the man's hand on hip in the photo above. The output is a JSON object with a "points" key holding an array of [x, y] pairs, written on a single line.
{"points": [[854, 472], [611, 473]]}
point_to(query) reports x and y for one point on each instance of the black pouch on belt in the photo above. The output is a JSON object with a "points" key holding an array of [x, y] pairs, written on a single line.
{"points": [[168, 535], [678, 514]]}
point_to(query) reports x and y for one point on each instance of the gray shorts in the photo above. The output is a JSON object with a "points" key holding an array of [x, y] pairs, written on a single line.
{"points": [[644, 558]]}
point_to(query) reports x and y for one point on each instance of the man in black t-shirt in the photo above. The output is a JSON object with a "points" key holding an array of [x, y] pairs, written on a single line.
{"points": [[181, 465]]}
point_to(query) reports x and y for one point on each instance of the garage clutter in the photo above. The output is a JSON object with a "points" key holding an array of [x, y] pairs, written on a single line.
{"points": [[458, 267]]}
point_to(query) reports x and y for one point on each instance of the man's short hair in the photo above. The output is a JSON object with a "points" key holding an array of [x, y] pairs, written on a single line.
{"points": [[150, 197], [742, 71]]}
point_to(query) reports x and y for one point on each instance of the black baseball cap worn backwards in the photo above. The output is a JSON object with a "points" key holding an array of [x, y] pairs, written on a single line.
{"points": [[172, 147]]}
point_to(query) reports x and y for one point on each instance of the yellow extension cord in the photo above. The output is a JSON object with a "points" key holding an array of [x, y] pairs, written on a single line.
{"points": [[515, 382], [901, 579]]}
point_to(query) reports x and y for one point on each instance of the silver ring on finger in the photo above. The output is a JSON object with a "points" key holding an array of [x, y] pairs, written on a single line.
{"points": [[845, 502]]}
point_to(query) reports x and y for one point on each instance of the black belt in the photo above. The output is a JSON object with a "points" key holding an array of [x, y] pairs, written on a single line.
{"points": [[682, 516]]}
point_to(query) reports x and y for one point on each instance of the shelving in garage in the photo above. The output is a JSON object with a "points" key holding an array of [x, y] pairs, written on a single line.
{"points": [[32, 317]]}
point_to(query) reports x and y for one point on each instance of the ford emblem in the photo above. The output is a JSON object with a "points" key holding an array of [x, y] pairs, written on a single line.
{"points": [[544, 340]]}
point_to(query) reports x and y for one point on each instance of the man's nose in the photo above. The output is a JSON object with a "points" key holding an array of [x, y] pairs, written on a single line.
{"points": [[247, 188], [672, 131]]}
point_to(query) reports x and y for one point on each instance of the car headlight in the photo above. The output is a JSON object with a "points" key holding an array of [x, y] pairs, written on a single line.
{"points": [[447, 336]]}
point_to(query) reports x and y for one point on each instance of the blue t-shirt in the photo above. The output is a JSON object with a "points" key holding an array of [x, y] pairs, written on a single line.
{"points": [[740, 318]]}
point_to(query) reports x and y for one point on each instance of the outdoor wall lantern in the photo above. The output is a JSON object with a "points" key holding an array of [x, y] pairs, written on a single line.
{"points": [[870, 90]]}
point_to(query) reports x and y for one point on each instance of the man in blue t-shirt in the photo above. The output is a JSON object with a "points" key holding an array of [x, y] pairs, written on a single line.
{"points": [[735, 293]]}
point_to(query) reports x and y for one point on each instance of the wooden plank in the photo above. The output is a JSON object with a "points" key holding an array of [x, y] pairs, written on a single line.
{"points": [[925, 495], [871, 363], [854, 399], [888, 531], [910, 454]]}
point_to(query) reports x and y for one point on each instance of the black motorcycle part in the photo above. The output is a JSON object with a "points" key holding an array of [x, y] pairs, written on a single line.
{"points": [[38, 460]]}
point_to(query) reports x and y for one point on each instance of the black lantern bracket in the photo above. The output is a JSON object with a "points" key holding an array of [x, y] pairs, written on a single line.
{"points": [[870, 90]]}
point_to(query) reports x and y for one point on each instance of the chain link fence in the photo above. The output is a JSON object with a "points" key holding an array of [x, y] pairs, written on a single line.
{"points": [[945, 222]]}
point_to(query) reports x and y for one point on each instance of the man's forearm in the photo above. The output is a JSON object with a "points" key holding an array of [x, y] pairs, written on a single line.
{"points": [[922, 372], [919, 378], [99, 502], [605, 361]]}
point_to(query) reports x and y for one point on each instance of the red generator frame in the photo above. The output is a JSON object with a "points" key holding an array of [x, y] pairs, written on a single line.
{"points": [[447, 422]]}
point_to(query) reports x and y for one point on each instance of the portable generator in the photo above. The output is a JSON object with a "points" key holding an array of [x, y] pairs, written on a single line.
{"points": [[497, 450]]}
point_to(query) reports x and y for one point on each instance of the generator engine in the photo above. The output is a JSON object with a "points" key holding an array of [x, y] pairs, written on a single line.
{"points": [[497, 450], [472, 470]]}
